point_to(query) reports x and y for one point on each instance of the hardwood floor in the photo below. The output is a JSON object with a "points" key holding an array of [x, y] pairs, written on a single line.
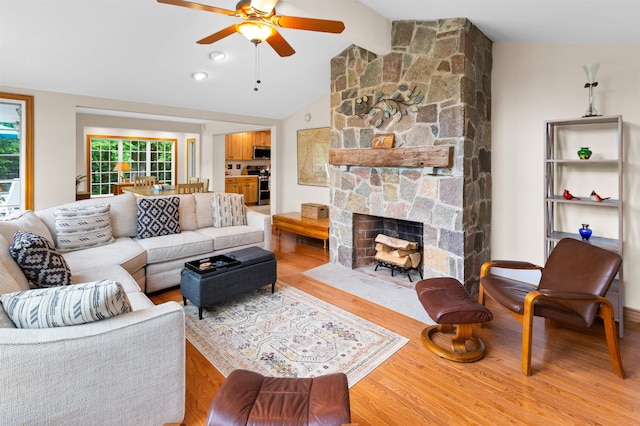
{"points": [[572, 381]]}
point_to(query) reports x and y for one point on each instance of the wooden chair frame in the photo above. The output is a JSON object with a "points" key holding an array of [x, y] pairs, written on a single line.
{"points": [[605, 312], [144, 181], [189, 188]]}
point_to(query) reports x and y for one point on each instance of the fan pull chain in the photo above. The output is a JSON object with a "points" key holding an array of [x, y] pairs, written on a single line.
{"points": [[257, 61]]}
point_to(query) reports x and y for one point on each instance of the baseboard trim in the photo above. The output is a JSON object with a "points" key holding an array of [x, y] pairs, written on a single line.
{"points": [[631, 315]]}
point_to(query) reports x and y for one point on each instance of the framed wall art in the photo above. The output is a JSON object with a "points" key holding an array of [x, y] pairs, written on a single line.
{"points": [[313, 156]]}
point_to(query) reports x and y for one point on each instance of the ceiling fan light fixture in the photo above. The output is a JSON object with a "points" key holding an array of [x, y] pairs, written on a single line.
{"points": [[256, 31], [199, 75], [263, 6]]}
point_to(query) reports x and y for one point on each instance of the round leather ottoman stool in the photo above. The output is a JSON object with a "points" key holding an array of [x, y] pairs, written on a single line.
{"points": [[450, 305], [247, 397]]}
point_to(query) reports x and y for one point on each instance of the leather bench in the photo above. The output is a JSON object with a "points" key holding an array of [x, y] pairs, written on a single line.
{"points": [[450, 305], [247, 397]]}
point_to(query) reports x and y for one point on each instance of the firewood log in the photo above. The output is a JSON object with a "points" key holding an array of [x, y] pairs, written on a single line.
{"points": [[415, 259], [396, 242], [382, 247], [404, 262], [402, 253]]}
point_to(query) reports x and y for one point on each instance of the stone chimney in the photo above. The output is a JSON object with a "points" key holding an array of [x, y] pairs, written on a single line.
{"points": [[443, 68]]}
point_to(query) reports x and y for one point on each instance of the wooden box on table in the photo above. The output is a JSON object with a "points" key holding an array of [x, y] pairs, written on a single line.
{"points": [[315, 211]]}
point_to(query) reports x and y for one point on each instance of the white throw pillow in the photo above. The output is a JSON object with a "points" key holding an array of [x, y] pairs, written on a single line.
{"points": [[80, 228], [228, 210], [68, 305]]}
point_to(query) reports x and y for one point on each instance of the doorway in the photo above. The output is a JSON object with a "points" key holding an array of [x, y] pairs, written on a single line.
{"points": [[16, 152]]}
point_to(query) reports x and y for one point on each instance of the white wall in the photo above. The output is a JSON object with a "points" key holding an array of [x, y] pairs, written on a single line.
{"points": [[56, 132], [535, 82], [292, 194]]}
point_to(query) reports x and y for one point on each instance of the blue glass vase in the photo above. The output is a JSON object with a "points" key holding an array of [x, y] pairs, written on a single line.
{"points": [[585, 232]]}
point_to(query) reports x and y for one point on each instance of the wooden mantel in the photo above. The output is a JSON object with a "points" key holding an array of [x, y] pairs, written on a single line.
{"points": [[425, 156]]}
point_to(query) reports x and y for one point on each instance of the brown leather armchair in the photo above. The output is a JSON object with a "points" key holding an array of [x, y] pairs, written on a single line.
{"points": [[571, 291]]}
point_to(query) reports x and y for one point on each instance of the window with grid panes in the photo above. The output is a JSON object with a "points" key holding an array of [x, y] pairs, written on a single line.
{"points": [[145, 156]]}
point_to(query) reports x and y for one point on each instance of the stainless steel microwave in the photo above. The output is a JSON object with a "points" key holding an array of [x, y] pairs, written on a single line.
{"points": [[261, 152]]}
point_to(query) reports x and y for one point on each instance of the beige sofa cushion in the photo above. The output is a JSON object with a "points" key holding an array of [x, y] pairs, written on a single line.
{"points": [[125, 252], [176, 246], [187, 212], [233, 236], [124, 221], [108, 272], [204, 213], [11, 276], [25, 220]]}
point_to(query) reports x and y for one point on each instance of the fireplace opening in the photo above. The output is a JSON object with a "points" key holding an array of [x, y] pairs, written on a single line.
{"points": [[367, 228]]}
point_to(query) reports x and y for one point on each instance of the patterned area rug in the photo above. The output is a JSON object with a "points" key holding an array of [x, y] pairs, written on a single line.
{"points": [[289, 334]]}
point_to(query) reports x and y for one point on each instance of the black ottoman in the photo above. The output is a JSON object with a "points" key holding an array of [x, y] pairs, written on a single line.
{"points": [[229, 275]]}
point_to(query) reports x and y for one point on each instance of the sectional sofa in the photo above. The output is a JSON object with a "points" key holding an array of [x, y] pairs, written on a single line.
{"points": [[129, 368]]}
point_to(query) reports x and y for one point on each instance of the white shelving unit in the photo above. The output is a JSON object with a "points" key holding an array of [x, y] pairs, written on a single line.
{"points": [[602, 173]]}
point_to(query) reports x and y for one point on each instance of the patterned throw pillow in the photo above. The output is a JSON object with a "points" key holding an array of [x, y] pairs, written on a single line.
{"points": [[228, 210], [83, 227], [158, 216], [40, 262], [69, 305]]}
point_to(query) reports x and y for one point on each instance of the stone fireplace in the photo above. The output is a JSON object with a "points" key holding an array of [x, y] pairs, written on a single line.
{"points": [[367, 227], [442, 70]]}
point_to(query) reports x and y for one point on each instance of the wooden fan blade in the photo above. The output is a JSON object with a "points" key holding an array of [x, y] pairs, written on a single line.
{"points": [[309, 24], [198, 6], [264, 6], [219, 35], [280, 45]]}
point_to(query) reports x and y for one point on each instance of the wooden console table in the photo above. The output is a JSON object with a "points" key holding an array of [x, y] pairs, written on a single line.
{"points": [[294, 222]]}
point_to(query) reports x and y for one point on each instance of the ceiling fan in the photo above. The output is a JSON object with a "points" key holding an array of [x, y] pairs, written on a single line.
{"points": [[260, 22]]}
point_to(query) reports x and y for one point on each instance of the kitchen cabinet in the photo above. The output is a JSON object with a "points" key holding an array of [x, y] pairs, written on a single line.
{"points": [[233, 146], [239, 146], [262, 138], [600, 173], [246, 185], [247, 145]]}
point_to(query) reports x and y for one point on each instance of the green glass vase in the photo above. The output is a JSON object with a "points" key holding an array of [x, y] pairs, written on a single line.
{"points": [[584, 153]]}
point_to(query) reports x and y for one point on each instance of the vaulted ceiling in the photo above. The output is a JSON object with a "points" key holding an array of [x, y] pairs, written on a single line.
{"points": [[143, 51]]}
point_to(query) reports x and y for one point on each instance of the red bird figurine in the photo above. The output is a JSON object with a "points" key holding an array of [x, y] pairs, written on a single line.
{"points": [[596, 197], [566, 194]]}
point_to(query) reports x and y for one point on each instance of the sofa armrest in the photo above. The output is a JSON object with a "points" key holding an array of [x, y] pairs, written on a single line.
{"points": [[128, 369], [262, 221]]}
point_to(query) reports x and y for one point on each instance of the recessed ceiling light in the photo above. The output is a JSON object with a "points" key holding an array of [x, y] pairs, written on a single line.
{"points": [[199, 75], [217, 56]]}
